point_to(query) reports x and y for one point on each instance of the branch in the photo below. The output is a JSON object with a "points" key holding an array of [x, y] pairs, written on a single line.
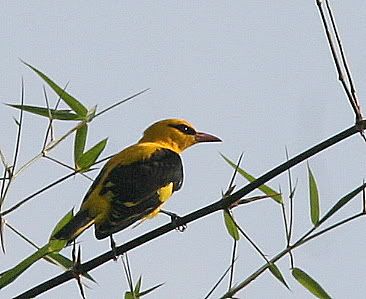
{"points": [[306, 238], [200, 213]]}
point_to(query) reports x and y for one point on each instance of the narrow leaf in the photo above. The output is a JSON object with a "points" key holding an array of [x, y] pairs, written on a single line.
{"points": [[277, 273], [88, 158], [64, 220], [138, 285], [143, 293], [64, 263], [314, 198], [56, 114], [12, 274], [342, 202], [230, 226], [265, 189], [73, 103], [79, 143], [54, 246], [309, 283]]}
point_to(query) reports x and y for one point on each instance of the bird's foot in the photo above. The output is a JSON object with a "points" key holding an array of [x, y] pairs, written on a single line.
{"points": [[114, 248], [175, 219]]}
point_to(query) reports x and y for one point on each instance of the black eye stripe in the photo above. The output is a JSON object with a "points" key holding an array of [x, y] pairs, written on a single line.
{"points": [[184, 129]]}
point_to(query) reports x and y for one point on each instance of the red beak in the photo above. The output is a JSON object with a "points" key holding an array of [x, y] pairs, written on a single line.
{"points": [[204, 137]]}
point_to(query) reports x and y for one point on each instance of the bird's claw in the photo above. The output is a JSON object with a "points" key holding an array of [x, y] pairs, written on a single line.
{"points": [[114, 248], [175, 219]]}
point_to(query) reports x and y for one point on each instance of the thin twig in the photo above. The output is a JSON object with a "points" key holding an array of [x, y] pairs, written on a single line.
{"points": [[121, 102], [291, 197], [55, 142], [231, 184], [344, 60], [364, 199], [104, 159], [68, 167], [2, 238], [246, 236], [336, 61], [17, 147], [287, 233], [3, 160], [233, 258], [291, 210], [4, 183], [219, 281], [25, 200], [49, 130], [254, 198], [127, 270], [21, 235]]}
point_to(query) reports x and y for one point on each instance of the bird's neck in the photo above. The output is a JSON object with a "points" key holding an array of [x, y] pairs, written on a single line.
{"points": [[168, 144]]}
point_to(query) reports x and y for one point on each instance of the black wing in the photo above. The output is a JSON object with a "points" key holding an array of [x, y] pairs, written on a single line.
{"points": [[133, 189]]}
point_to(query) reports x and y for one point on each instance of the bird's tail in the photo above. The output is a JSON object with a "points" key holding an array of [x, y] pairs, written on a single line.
{"points": [[81, 221]]}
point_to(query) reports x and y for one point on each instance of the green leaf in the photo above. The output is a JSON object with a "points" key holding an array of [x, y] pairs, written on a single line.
{"points": [[342, 202], [12, 274], [73, 103], [56, 114], [230, 226], [136, 294], [88, 158], [314, 198], [138, 285], [64, 262], [130, 295], [64, 220], [265, 189], [309, 283], [79, 143], [143, 293], [277, 273], [56, 245]]}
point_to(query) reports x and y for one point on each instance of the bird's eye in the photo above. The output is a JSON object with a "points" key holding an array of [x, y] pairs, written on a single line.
{"points": [[185, 129]]}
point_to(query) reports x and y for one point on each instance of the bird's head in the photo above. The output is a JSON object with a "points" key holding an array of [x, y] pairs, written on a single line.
{"points": [[177, 134]]}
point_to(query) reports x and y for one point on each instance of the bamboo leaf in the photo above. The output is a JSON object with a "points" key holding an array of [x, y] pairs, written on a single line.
{"points": [[64, 263], [73, 103], [230, 226], [12, 274], [314, 198], [143, 293], [79, 143], [342, 202], [56, 245], [56, 114], [309, 283], [264, 188], [136, 294], [138, 285], [64, 220], [88, 158], [277, 273]]}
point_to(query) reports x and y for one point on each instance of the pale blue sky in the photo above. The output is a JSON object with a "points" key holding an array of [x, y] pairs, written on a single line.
{"points": [[256, 73]]}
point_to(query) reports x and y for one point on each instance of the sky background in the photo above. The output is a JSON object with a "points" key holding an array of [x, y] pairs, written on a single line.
{"points": [[258, 74]]}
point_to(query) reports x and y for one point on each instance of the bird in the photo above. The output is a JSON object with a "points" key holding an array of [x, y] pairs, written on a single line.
{"points": [[135, 183]]}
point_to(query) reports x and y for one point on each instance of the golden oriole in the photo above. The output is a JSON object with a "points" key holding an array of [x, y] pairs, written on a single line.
{"points": [[135, 183]]}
